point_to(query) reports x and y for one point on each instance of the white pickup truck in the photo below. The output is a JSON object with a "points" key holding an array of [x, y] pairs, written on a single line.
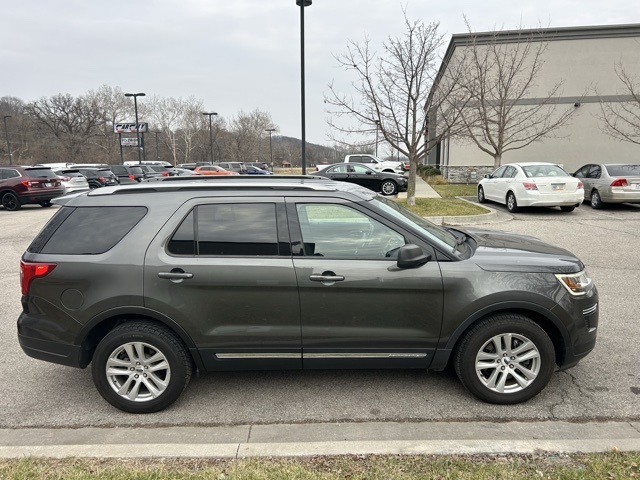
{"points": [[375, 163]]}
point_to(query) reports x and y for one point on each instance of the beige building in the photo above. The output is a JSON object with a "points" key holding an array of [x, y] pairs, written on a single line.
{"points": [[584, 60]]}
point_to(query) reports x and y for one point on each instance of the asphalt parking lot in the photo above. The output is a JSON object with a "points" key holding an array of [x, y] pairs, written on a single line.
{"points": [[604, 386]]}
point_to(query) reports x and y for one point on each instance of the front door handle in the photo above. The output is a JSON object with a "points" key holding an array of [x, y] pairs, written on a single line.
{"points": [[328, 278]]}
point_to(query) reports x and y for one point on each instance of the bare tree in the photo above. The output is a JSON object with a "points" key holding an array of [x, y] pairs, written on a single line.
{"points": [[491, 99], [391, 93], [72, 121], [622, 119], [248, 131]]}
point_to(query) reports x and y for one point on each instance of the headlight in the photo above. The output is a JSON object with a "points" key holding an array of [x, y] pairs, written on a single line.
{"points": [[575, 283]]}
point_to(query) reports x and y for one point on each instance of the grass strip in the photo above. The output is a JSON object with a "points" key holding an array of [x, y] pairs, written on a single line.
{"points": [[441, 207], [369, 467]]}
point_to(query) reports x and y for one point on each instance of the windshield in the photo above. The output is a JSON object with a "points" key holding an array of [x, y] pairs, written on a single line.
{"points": [[438, 235], [544, 171]]}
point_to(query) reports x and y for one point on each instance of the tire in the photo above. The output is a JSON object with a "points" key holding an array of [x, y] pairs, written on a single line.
{"points": [[507, 381], [11, 202], [570, 208], [122, 359], [388, 187], [481, 197], [512, 203], [596, 200], [46, 204]]}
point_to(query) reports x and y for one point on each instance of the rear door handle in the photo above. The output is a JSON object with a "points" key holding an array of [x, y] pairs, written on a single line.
{"points": [[176, 274]]}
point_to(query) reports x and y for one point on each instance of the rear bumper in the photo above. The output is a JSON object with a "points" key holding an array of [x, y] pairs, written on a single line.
{"points": [[552, 200], [37, 197], [53, 352], [620, 196]]}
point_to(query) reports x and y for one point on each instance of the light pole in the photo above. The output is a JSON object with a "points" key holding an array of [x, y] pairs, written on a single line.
{"points": [[135, 106], [302, 4], [377, 128], [6, 134], [270, 130], [157, 157], [210, 114]]}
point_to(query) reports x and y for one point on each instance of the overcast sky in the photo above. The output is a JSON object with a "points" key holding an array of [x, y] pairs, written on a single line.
{"points": [[236, 54]]}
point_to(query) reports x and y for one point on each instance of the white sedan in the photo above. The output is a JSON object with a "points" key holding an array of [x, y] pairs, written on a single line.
{"points": [[531, 184]]}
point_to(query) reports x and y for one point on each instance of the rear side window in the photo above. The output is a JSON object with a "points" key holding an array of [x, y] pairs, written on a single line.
{"points": [[248, 229], [86, 230]]}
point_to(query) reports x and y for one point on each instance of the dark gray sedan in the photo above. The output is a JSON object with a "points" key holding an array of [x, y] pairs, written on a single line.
{"points": [[614, 183], [384, 182]]}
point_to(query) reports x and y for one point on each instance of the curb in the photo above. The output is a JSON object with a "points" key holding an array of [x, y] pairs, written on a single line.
{"points": [[299, 440], [492, 217]]}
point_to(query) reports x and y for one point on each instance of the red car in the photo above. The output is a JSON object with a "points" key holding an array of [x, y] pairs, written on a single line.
{"points": [[213, 170], [20, 185]]}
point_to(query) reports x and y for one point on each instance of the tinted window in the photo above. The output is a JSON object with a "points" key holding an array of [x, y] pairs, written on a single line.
{"points": [[248, 229], [594, 172], [91, 230], [510, 172], [40, 173], [337, 231], [544, 171], [9, 173], [622, 170], [119, 170]]}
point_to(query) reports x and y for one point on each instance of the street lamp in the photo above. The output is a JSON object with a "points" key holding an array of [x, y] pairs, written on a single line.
{"points": [[302, 4], [135, 105], [270, 130], [6, 134], [210, 114], [157, 156], [377, 128]]}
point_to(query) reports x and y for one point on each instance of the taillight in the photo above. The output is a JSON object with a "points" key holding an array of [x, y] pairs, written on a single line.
{"points": [[102, 179], [529, 186], [619, 182], [65, 179], [165, 174], [132, 177], [580, 185], [30, 271], [30, 184]]}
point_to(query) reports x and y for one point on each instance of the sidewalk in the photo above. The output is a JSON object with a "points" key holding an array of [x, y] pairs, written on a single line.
{"points": [[380, 438], [423, 190]]}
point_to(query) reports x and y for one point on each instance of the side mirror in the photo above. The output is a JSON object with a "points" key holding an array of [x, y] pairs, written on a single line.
{"points": [[487, 175], [369, 172], [411, 256]]}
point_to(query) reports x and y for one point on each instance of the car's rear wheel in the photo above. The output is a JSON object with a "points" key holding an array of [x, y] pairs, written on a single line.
{"points": [[388, 187], [596, 201], [505, 359], [46, 204], [10, 201], [512, 203], [570, 208], [141, 367], [481, 197]]}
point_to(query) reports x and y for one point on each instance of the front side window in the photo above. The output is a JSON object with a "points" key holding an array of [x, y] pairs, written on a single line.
{"points": [[248, 229], [338, 231]]}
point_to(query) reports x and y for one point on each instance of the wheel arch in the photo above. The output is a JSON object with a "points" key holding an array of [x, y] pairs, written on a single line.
{"points": [[543, 317], [100, 325]]}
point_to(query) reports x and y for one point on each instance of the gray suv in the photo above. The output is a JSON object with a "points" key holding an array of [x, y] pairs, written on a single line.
{"points": [[150, 282]]}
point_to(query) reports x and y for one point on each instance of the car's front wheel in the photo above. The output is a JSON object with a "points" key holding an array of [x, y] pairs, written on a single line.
{"points": [[505, 359], [10, 201], [512, 203], [141, 367], [389, 187], [481, 197]]}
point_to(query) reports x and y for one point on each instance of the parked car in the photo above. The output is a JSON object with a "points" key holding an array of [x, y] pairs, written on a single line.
{"points": [[251, 170], [357, 279], [614, 183], [260, 165], [151, 170], [20, 185], [531, 184], [213, 170], [72, 180], [192, 166], [98, 177], [185, 172], [238, 167], [385, 182], [131, 172]]}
